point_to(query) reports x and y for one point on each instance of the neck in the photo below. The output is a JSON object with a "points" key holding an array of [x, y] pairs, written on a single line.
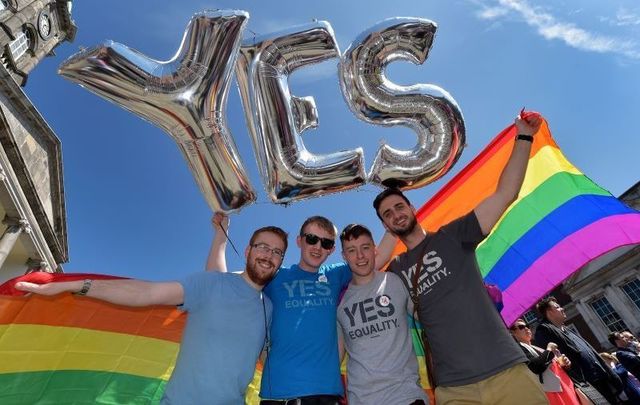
{"points": [[559, 324], [304, 266], [246, 278], [362, 280], [413, 239]]}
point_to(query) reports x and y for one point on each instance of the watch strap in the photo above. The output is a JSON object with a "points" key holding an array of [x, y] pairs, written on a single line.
{"points": [[522, 137], [86, 286]]}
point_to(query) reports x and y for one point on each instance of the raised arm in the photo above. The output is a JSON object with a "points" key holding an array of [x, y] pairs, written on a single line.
{"points": [[217, 261], [385, 249], [491, 209], [133, 293]]}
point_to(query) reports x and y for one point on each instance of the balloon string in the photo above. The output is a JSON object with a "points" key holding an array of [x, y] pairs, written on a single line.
{"points": [[230, 241]]}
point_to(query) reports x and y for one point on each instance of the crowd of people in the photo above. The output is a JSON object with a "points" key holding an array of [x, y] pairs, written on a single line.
{"points": [[304, 317]]}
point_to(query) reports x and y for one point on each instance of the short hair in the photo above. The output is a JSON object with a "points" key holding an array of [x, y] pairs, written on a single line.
{"points": [[544, 305], [274, 230], [613, 336], [354, 231], [513, 325], [322, 222], [388, 193]]}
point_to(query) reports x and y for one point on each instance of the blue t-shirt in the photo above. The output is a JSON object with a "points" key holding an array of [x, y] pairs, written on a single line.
{"points": [[222, 339], [303, 359]]}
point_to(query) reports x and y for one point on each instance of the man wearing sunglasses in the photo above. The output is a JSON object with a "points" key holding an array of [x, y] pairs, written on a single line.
{"points": [[441, 273], [302, 365]]}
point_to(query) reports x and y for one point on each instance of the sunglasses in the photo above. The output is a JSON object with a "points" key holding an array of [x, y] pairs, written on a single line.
{"points": [[521, 327], [312, 239]]}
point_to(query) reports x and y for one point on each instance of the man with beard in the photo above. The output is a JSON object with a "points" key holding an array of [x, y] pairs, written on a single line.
{"points": [[226, 327], [473, 360]]}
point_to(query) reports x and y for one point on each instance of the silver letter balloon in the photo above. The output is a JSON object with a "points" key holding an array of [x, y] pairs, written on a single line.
{"points": [[429, 110], [276, 119], [186, 96]]}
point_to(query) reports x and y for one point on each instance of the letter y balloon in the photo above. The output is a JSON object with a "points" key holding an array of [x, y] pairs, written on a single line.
{"points": [[186, 96]]}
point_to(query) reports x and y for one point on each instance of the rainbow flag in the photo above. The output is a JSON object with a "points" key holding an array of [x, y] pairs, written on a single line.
{"points": [[560, 221], [71, 349]]}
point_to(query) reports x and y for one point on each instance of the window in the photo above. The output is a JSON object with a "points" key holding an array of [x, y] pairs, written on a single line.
{"points": [[19, 45], [632, 289], [530, 317], [608, 315]]}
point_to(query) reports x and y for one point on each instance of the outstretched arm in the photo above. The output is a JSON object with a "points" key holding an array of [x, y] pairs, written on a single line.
{"points": [[385, 249], [133, 293], [491, 209], [217, 261]]}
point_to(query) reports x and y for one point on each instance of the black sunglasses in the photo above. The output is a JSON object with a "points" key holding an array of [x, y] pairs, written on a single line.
{"points": [[312, 239], [521, 327]]}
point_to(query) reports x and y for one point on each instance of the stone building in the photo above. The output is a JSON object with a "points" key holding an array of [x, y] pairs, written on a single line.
{"points": [[604, 296], [32, 207]]}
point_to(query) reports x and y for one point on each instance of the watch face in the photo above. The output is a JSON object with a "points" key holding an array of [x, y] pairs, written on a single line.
{"points": [[44, 25]]}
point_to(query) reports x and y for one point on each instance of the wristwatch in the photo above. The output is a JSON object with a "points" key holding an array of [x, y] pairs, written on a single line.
{"points": [[522, 137], [86, 285]]}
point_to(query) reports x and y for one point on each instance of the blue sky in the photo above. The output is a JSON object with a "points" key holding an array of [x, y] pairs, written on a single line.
{"points": [[134, 209]]}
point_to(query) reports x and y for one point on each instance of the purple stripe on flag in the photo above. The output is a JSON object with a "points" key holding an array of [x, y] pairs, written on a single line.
{"points": [[565, 258]]}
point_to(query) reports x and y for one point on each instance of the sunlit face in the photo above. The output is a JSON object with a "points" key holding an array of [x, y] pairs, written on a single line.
{"points": [[312, 256], [555, 313], [521, 332], [398, 217], [264, 257], [360, 255]]}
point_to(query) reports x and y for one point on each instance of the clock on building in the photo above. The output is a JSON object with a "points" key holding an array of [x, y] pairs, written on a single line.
{"points": [[44, 25]]}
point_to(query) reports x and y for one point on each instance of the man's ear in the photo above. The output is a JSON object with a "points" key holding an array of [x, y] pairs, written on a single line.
{"points": [[246, 253], [299, 241]]}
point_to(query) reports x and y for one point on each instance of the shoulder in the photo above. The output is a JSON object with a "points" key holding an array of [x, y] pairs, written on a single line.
{"points": [[204, 277], [335, 267]]}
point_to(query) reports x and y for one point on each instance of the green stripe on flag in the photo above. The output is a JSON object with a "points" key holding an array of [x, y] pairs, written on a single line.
{"points": [[551, 194], [78, 387]]}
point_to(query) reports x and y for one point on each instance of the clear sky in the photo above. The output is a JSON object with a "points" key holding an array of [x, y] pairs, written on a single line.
{"points": [[134, 209]]}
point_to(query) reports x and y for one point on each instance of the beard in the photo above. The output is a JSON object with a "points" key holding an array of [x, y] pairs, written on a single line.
{"points": [[407, 229], [258, 276]]}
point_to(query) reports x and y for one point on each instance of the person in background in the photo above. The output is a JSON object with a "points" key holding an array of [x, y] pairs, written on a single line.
{"points": [[549, 364], [631, 383], [586, 364], [625, 353]]}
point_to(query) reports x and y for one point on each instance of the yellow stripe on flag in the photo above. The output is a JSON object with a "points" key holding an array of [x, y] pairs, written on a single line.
{"points": [[26, 348]]}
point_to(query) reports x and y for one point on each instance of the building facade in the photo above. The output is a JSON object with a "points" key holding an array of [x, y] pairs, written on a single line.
{"points": [[32, 207]]}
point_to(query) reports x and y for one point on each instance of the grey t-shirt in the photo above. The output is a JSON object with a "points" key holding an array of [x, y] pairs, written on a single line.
{"points": [[382, 366], [468, 338]]}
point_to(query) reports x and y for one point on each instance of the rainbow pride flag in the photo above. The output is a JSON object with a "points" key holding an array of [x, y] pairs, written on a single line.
{"points": [[560, 221], [70, 349]]}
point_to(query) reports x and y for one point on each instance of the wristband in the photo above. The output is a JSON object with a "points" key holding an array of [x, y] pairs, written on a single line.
{"points": [[86, 285], [521, 137]]}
